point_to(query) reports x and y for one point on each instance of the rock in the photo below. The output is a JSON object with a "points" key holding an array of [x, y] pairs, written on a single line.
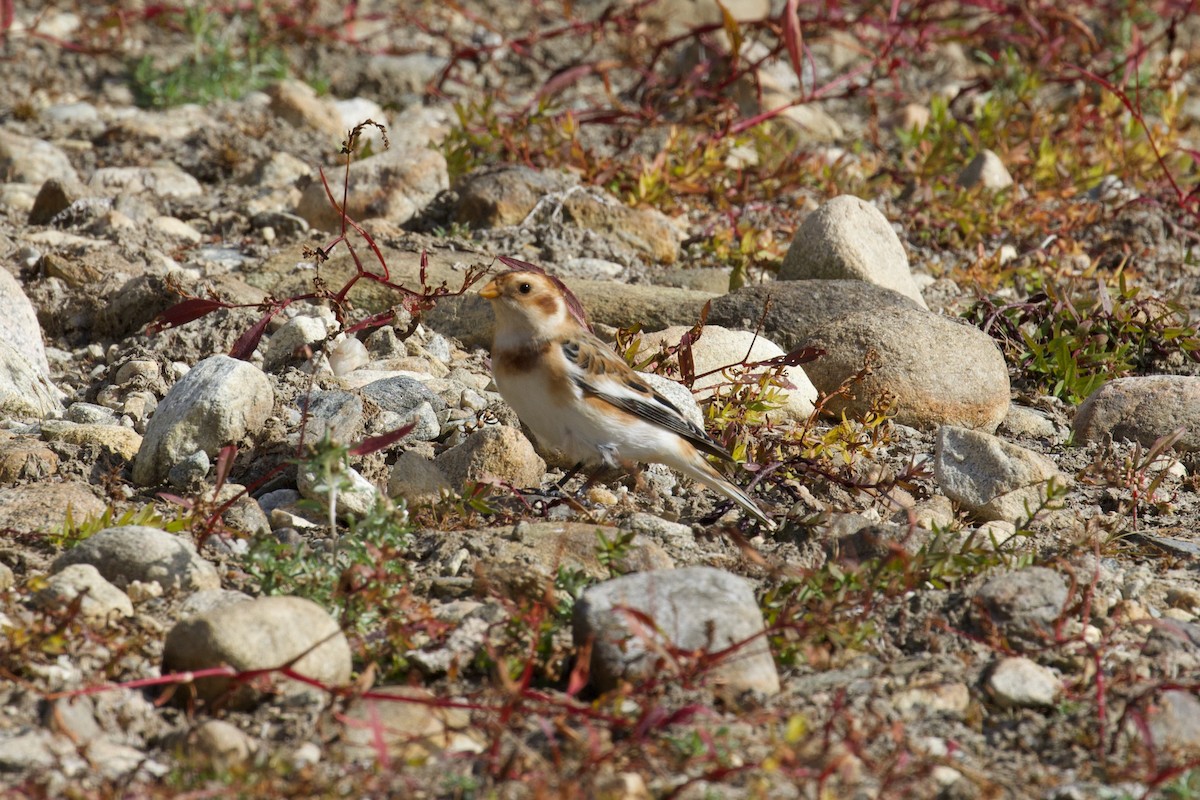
{"points": [[939, 371], [219, 401], [75, 717], [117, 439], [168, 182], [139, 372], [469, 317], [496, 452], [797, 308], [294, 341], [138, 553], [1022, 606], [853, 539], [674, 534], [264, 633], [245, 515], [45, 506], [23, 749], [177, 229], [394, 185], [307, 755], [680, 396], [622, 305], [19, 327], [72, 115], [525, 564], [678, 17], [355, 495], [986, 170], [132, 305], [167, 125], [1142, 409], [934, 512], [622, 786], [51, 199], [1028, 422], [115, 761], [404, 400], [694, 610], [506, 195], [941, 697], [401, 395], [207, 600], [1017, 682], [18, 199], [383, 343], [346, 355], [1175, 724], [90, 414], [101, 603], [25, 391], [775, 87], [417, 480], [911, 117], [472, 626], [992, 478], [24, 159], [400, 80], [355, 110], [719, 347], [404, 723], [811, 121], [21, 457], [646, 230], [216, 745], [849, 238], [277, 170], [7, 578], [336, 414], [188, 473], [298, 104]]}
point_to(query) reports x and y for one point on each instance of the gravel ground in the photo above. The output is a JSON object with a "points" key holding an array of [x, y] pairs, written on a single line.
{"points": [[984, 583]]}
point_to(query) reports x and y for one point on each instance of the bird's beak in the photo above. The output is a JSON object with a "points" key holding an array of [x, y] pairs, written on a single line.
{"points": [[490, 292]]}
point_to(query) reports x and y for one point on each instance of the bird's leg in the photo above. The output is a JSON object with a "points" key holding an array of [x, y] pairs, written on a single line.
{"points": [[639, 481], [571, 473], [592, 477], [575, 500]]}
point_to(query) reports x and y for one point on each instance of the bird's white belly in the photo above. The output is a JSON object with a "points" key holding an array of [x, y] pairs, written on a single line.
{"points": [[578, 430]]}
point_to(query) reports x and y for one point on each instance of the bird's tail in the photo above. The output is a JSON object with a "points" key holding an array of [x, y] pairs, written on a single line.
{"points": [[697, 468]]}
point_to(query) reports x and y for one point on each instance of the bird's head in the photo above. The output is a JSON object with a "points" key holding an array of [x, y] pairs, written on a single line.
{"points": [[532, 304]]}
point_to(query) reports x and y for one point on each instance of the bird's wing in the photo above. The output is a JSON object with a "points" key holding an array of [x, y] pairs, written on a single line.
{"points": [[599, 373]]}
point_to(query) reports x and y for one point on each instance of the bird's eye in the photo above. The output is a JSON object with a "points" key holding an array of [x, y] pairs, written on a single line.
{"points": [[524, 288]]}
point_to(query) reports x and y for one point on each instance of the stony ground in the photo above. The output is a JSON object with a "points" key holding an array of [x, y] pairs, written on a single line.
{"points": [[286, 539]]}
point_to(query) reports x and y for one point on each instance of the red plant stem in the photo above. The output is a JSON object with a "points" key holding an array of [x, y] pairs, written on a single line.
{"points": [[1187, 201]]}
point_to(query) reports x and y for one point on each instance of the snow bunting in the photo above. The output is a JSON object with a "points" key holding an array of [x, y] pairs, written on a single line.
{"points": [[580, 398]]}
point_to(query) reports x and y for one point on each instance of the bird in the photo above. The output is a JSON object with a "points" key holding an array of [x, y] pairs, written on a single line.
{"points": [[580, 398]]}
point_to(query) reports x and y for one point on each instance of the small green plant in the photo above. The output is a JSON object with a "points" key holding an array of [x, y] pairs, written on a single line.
{"points": [[72, 533], [456, 230], [1068, 343], [570, 582], [1138, 476], [1185, 787], [485, 136], [611, 552], [829, 609], [744, 248], [366, 570], [220, 64]]}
